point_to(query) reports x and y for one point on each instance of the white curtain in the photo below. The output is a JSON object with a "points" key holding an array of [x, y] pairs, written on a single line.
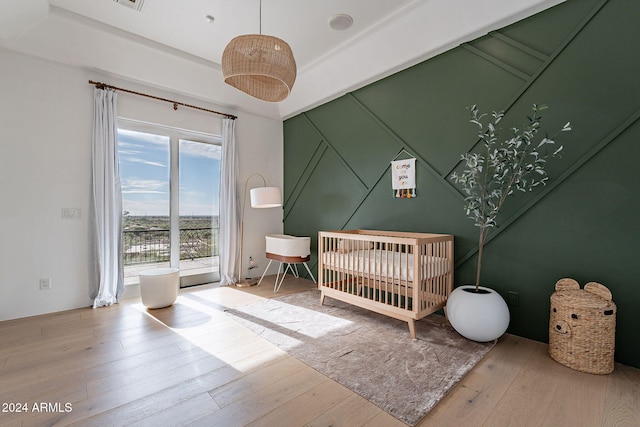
{"points": [[107, 199], [229, 212]]}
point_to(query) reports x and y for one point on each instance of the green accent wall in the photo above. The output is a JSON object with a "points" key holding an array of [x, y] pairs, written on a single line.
{"points": [[581, 59]]}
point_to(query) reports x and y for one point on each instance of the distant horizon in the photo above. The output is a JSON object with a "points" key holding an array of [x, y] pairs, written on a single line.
{"points": [[167, 216], [157, 222]]}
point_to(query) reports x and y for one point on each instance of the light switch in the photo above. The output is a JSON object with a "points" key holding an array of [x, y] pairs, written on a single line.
{"points": [[70, 213]]}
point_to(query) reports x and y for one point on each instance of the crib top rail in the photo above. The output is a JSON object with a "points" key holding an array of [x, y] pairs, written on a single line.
{"points": [[400, 237]]}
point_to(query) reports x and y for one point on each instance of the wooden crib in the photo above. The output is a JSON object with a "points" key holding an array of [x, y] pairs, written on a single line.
{"points": [[406, 276]]}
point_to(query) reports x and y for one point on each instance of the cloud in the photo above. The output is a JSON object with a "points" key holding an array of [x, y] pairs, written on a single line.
{"points": [[141, 136], [143, 192], [143, 161], [122, 152], [142, 186], [199, 149], [140, 148]]}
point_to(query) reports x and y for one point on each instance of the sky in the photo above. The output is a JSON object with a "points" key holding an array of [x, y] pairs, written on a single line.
{"points": [[144, 175]]}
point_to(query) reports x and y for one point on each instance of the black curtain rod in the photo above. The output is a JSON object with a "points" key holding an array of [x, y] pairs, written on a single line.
{"points": [[100, 85]]}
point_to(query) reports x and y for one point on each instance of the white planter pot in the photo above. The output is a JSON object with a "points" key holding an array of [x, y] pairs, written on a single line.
{"points": [[481, 317]]}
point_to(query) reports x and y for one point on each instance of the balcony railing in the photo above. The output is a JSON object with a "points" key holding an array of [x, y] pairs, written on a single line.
{"points": [[153, 246]]}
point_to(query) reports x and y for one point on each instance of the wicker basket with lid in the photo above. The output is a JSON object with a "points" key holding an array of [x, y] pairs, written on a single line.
{"points": [[582, 327]]}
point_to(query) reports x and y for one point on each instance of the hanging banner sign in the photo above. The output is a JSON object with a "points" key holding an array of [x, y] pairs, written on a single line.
{"points": [[403, 178]]}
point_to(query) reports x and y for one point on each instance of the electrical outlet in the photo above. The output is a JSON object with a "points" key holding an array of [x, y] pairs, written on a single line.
{"points": [[45, 283], [514, 298]]}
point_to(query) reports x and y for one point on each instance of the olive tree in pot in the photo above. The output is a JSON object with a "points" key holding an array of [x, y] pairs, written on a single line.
{"points": [[489, 177]]}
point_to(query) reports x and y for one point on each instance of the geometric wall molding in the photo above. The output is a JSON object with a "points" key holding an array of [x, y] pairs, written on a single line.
{"points": [[578, 57]]}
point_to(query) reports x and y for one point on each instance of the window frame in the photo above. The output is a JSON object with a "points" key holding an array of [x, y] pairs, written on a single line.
{"points": [[175, 135]]}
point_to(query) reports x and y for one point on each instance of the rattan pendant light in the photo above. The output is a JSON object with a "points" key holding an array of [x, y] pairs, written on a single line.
{"points": [[261, 66]]}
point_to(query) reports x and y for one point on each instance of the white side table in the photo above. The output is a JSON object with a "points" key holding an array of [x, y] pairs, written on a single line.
{"points": [[159, 287]]}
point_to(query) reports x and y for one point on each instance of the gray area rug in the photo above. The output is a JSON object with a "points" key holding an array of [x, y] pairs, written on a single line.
{"points": [[371, 354]]}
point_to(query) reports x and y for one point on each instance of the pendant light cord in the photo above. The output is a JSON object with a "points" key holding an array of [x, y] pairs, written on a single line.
{"points": [[260, 17]]}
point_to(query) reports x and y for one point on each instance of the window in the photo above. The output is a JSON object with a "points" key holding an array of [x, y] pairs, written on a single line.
{"points": [[170, 199]]}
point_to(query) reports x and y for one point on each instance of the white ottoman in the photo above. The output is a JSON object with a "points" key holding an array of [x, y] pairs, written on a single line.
{"points": [[159, 287]]}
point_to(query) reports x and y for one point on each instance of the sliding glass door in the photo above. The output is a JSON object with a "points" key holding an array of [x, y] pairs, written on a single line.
{"points": [[199, 194], [170, 191]]}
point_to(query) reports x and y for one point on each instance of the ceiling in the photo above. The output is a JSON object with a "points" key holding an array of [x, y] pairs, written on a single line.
{"points": [[170, 44]]}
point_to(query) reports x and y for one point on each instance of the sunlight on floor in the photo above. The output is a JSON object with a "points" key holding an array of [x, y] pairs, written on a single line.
{"points": [[274, 308], [199, 318]]}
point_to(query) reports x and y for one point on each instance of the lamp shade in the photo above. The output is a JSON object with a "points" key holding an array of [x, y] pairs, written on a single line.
{"points": [[261, 66], [265, 197]]}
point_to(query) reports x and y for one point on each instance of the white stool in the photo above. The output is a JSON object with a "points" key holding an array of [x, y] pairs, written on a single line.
{"points": [[159, 287], [287, 249]]}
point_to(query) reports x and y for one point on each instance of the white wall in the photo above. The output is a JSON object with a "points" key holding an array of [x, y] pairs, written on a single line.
{"points": [[46, 112]]}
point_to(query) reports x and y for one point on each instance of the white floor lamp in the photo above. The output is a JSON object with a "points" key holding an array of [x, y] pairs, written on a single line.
{"points": [[261, 197]]}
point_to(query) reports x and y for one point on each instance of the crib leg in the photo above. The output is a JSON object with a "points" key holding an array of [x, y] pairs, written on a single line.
{"points": [[321, 298], [412, 328]]}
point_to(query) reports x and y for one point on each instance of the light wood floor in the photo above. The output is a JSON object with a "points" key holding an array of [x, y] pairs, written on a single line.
{"points": [[192, 365]]}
